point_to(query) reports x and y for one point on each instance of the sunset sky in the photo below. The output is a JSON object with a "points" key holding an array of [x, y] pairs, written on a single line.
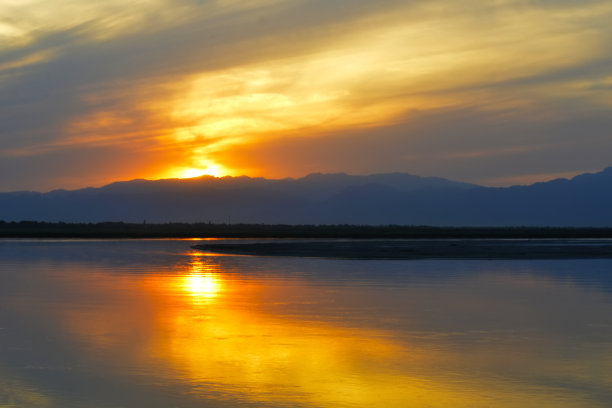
{"points": [[492, 92]]}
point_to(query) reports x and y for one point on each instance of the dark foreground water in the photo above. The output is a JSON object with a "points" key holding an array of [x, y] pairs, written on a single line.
{"points": [[156, 324]]}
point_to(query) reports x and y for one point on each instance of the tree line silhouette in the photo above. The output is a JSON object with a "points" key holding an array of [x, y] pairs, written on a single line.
{"points": [[36, 229]]}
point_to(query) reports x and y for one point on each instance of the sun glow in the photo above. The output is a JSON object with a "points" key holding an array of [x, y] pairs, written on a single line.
{"points": [[214, 170], [190, 173]]}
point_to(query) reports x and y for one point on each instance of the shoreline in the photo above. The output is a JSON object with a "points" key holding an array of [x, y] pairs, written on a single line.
{"points": [[421, 249]]}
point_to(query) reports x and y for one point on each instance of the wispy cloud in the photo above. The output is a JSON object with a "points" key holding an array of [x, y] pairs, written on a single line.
{"points": [[202, 83]]}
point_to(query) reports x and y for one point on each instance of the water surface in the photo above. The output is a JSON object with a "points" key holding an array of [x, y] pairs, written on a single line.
{"points": [[154, 323]]}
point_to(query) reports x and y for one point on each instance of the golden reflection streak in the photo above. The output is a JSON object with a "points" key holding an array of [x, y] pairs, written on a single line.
{"points": [[276, 360]]}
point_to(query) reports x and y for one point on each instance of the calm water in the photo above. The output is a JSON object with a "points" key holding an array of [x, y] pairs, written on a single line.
{"points": [[155, 324]]}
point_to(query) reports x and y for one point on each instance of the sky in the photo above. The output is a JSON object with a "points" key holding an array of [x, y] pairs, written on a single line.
{"points": [[497, 93]]}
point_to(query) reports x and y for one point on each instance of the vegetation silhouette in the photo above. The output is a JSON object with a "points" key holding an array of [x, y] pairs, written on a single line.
{"points": [[36, 229]]}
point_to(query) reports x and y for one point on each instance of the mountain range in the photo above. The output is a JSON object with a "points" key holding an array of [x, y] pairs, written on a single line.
{"points": [[379, 199]]}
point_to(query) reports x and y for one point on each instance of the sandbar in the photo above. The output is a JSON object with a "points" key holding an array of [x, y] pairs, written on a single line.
{"points": [[421, 249]]}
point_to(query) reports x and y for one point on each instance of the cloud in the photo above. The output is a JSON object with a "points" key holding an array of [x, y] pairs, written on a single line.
{"points": [[208, 81]]}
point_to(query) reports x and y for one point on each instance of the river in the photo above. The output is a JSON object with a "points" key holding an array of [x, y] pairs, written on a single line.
{"points": [[155, 323]]}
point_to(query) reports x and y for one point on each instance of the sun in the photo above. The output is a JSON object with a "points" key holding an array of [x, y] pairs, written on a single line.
{"points": [[214, 170], [195, 168], [191, 173]]}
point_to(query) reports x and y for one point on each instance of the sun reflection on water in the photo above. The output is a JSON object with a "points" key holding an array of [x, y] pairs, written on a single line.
{"points": [[206, 286], [202, 283]]}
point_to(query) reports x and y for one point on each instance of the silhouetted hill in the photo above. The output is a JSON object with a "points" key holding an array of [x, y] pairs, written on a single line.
{"points": [[379, 199]]}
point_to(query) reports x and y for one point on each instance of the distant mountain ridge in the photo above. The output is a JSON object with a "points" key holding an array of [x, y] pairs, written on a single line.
{"points": [[392, 198]]}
